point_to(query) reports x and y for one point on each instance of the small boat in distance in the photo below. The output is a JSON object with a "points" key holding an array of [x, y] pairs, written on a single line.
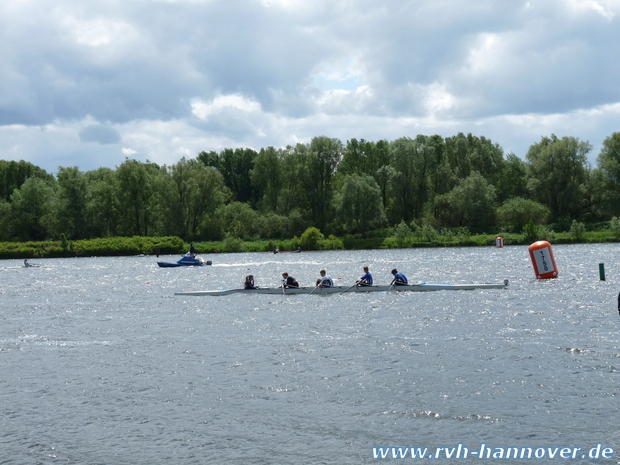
{"points": [[344, 289], [186, 260]]}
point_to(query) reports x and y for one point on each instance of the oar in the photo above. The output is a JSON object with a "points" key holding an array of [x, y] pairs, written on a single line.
{"points": [[391, 285], [349, 288], [317, 286], [283, 288]]}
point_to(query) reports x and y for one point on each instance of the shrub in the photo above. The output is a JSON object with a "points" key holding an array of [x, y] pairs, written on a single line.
{"points": [[614, 225], [311, 238], [577, 230]]}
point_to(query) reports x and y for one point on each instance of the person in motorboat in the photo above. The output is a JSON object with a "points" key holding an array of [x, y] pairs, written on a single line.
{"points": [[365, 280], [399, 278], [249, 282], [192, 250], [289, 281], [325, 280]]}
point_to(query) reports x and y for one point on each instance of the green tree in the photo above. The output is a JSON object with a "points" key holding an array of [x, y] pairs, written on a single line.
{"points": [[5, 220], [517, 212], [235, 165], [359, 204], [198, 191], [468, 153], [266, 177], [411, 160], [238, 220], [31, 209], [385, 179], [71, 203], [311, 238], [471, 203], [558, 171], [136, 191], [609, 165], [363, 157], [512, 179], [14, 173], [102, 206], [319, 166]]}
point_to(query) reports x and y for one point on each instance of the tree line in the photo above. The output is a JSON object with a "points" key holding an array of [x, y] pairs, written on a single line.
{"points": [[463, 181]]}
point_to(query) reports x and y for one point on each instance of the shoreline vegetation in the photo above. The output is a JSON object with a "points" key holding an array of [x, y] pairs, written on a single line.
{"points": [[312, 239]]}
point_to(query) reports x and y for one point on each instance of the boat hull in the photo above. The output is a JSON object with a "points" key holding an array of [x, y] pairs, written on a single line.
{"points": [[185, 261], [344, 289]]}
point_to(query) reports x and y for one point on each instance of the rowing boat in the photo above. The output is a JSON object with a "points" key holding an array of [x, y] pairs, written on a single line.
{"points": [[341, 289]]}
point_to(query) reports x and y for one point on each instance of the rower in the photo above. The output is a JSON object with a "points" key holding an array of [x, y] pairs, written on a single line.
{"points": [[365, 280], [249, 282], [325, 280], [288, 281], [399, 278]]}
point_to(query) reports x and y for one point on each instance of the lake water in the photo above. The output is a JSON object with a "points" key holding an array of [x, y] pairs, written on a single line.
{"points": [[102, 364]]}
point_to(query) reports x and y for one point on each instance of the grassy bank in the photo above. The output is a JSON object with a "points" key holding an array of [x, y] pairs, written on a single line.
{"points": [[119, 246], [111, 246]]}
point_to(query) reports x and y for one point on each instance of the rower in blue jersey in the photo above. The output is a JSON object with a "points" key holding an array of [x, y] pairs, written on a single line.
{"points": [[249, 282], [399, 278], [325, 280], [365, 280]]}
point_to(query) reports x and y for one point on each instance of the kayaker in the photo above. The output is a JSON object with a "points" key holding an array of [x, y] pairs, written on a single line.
{"points": [[289, 281], [249, 282], [399, 278], [365, 280], [325, 280]]}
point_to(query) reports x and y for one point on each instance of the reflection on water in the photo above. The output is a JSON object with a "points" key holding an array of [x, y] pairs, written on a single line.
{"points": [[102, 363]]}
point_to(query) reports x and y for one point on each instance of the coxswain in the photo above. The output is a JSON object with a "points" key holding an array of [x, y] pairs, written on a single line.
{"points": [[365, 280], [399, 278], [288, 281], [249, 282], [325, 280]]}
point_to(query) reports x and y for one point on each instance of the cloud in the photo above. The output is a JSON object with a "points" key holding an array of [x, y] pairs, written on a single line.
{"points": [[175, 77], [100, 134]]}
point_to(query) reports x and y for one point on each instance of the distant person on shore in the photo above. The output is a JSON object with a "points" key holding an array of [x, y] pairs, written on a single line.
{"points": [[365, 280], [289, 281], [249, 282], [399, 278], [325, 280]]}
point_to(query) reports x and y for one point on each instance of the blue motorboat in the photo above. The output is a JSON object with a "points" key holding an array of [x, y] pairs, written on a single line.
{"points": [[186, 260]]}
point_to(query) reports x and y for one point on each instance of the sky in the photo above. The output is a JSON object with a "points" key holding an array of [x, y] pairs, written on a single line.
{"points": [[91, 83]]}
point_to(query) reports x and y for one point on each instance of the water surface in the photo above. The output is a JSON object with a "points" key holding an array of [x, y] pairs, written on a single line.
{"points": [[102, 364]]}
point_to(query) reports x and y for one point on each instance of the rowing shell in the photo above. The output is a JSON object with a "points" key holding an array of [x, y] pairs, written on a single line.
{"points": [[340, 289]]}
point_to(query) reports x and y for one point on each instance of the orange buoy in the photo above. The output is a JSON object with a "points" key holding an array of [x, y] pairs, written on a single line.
{"points": [[543, 260], [499, 242]]}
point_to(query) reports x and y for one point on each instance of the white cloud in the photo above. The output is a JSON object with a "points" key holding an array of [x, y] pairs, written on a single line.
{"points": [[203, 110], [161, 79]]}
